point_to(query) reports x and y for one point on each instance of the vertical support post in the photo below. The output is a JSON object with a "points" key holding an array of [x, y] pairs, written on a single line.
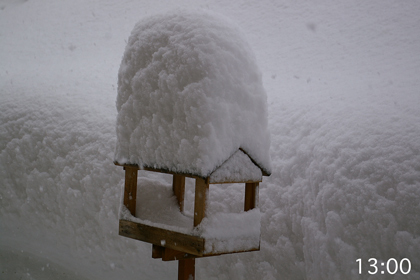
{"points": [[178, 185], [130, 188], [251, 196], [200, 202], [186, 269]]}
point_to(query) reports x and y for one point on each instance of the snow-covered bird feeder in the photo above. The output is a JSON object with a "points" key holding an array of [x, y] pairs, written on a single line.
{"points": [[191, 103]]}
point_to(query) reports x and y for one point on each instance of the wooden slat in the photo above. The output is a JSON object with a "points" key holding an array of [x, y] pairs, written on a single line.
{"points": [[251, 196], [178, 185], [233, 182], [173, 255], [159, 170], [230, 252], [130, 189], [170, 239], [200, 203]]}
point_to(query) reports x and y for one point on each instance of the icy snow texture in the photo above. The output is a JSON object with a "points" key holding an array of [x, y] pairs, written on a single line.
{"points": [[342, 79], [190, 95], [231, 231]]}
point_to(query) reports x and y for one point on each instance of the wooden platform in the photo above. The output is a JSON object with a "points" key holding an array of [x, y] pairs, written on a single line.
{"points": [[171, 245]]}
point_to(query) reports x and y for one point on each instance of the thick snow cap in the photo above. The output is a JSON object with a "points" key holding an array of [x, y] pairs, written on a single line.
{"points": [[190, 96]]}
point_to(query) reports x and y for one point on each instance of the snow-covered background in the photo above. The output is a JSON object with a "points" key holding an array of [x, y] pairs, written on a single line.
{"points": [[343, 86]]}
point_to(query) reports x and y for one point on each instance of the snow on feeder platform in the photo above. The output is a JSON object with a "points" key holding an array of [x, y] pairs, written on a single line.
{"points": [[191, 103]]}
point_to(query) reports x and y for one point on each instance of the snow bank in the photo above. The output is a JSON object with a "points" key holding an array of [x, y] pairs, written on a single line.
{"points": [[189, 95], [350, 173]]}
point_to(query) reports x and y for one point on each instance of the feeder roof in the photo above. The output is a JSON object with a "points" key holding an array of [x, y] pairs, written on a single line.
{"points": [[190, 98]]}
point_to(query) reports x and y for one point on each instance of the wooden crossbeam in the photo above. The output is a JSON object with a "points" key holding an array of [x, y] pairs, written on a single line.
{"points": [[162, 237]]}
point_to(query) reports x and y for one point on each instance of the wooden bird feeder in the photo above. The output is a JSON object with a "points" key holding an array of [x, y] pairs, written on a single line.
{"points": [[191, 104], [177, 245]]}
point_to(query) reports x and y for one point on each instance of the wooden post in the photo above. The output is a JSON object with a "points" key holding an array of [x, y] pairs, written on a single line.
{"points": [[251, 196], [178, 185], [200, 203], [186, 269], [130, 188]]}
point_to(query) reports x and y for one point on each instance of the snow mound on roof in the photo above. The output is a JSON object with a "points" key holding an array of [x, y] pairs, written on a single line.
{"points": [[237, 168], [190, 95]]}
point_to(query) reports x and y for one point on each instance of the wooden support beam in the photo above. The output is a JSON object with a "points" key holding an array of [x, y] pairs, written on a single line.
{"points": [[200, 203], [171, 255], [178, 185], [162, 237], [167, 254], [157, 251], [186, 269], [251, 196], [130, 189]]}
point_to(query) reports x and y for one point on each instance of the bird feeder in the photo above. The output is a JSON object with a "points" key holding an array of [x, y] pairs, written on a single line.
{"points": [[191, 104]]}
